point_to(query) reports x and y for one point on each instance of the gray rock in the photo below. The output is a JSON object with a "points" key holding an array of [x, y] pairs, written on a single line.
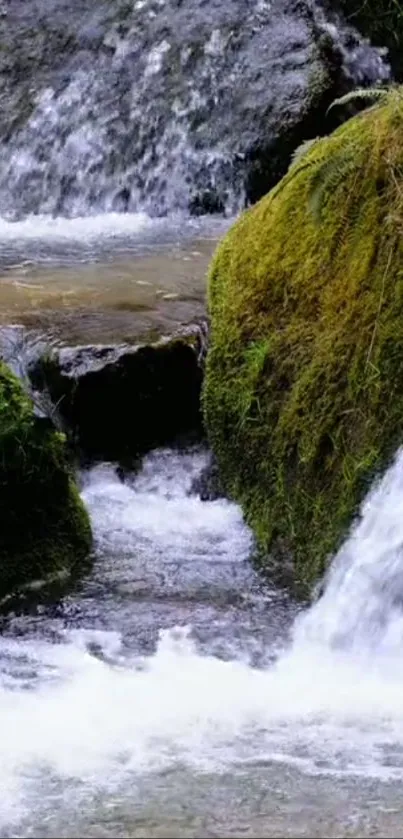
{"points": [[162, 105], [117, 402]]}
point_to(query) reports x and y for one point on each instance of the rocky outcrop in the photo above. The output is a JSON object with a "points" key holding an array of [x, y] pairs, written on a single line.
{"points": [[164, 105], [44, 528], [303, 392], [118, 402]]}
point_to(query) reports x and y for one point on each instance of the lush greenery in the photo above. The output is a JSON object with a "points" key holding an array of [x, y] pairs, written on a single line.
{"points": [[303, 394], [43, 525]]}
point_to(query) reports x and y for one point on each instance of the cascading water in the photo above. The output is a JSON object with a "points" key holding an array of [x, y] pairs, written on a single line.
{"points": [[361, 610], [155, 105], [172, 664], [172, 692]]}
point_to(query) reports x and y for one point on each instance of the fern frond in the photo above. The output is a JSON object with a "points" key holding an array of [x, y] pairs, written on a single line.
{"points": [[361, 94], [291, 174], [319, 186], [348, 226], [327, 178], [302, 150]]}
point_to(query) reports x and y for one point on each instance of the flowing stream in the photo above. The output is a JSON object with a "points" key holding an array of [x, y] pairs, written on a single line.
{"points": [[173, 694], [105, 279]]}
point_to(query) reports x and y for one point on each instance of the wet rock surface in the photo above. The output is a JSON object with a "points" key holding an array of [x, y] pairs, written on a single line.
{"points": [[207, 484], [164, 105], [120, 401]]}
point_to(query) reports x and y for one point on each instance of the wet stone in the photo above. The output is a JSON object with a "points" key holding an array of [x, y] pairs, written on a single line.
{"points": [[117, 402]]}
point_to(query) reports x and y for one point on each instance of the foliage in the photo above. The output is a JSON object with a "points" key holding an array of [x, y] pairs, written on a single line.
{"points": [[362, 95], [303, 395], [43, 525]]}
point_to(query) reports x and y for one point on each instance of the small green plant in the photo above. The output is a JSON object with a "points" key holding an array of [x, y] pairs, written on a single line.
{"points": [[302, 150], [361, 95]]}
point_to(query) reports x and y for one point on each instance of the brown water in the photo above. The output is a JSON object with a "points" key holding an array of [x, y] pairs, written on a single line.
{"points": [[124, 298]]}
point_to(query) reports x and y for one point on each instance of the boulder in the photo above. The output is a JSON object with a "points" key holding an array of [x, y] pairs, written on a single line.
{"points": [[44, 528], [117, 402], [164, 106], [303, 394]]}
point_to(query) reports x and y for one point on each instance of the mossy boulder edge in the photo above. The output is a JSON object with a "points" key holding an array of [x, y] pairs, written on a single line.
{"points": [[44, 527], [303, 394]]}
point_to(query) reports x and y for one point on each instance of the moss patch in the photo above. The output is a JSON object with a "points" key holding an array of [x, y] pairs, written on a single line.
{"points": [[44, 527], [303, 396]]}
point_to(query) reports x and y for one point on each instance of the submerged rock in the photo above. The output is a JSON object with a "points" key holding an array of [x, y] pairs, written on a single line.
{"points": [[303, 393], [118, 402], [44, 528]]}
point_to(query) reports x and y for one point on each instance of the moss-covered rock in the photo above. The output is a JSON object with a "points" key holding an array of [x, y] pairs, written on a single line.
{"points": [[303, 395], [44, 528]]}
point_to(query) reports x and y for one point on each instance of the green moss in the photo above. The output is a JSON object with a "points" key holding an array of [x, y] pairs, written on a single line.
{"points": [[303, 395], [44, 527]]}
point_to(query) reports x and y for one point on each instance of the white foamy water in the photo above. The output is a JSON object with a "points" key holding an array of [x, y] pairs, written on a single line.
{"points": [[78, 229], [43, 239], [39, 239], [88, 714], [157, 509]]}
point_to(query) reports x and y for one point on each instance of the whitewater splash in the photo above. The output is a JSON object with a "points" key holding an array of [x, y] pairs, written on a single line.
{"points": [[95, 716], [158, 105], [40, 239]]}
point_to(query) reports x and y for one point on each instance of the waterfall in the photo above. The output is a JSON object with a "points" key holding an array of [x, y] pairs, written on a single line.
{"points": [[154, 106], [361, 609]]}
